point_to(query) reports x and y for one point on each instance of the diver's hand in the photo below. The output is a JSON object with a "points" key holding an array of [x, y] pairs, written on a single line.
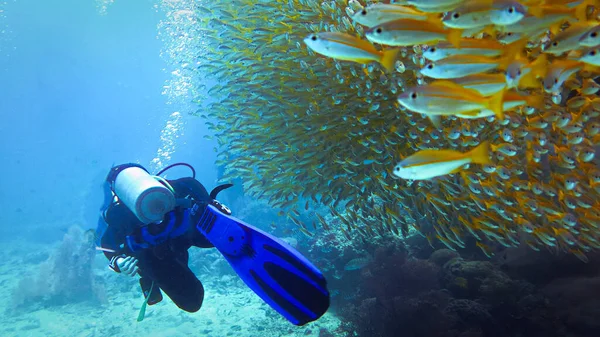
{"points": [[128, 265]]}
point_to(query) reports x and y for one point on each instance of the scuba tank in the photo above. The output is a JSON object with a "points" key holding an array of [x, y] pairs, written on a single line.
{"points": [[146, 197]]}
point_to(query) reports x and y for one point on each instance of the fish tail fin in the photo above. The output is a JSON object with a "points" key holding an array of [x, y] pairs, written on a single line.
{"points": [[591, 68], [388, 59], [496, 104], [436, 121], [536, 101], [512, 52], [481, 154], [539, 67], [454, 37], [581, 9], [529, 81]]}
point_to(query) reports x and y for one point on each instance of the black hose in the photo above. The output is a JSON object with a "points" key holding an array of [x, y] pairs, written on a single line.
{"points": [[178, 164]]}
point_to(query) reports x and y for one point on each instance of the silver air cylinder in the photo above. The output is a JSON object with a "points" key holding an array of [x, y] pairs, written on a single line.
{"points": [[148, 199]]}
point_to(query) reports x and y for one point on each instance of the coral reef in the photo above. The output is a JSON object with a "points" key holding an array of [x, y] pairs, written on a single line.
{"points": [[65, 277], [448, 295]]}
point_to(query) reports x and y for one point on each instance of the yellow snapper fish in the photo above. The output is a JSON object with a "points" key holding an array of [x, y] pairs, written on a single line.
{"points": [[568, 39], [591, 56], [378, 13], [524, 74], [462, 65], [479, 47], [437, 6], [545, 18], [456, 66], [409, 32], [346, 47], [427, 164], [445, 98], [579, 7], [591, 37], [558, 72], [478, 13]]}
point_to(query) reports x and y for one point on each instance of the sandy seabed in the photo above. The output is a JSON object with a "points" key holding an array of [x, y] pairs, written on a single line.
{"points": [[229, 309]]}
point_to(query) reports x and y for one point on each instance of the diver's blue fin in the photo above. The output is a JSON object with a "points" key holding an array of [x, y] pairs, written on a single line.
{"points": [[275, 271]]}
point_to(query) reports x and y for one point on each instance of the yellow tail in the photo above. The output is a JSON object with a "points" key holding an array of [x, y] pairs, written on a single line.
{"points": [[496, 104], [536, 11], [481, 154], [388, 59], [454, 37], [581, 10], [539, 67], [512, 52], [536, 101]]}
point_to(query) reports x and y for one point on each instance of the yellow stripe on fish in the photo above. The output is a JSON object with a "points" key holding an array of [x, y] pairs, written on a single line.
{"points": [[346, 47], [464, 65], [427, 164], [409, 32], [480, 13], [445, 98], [378, 13]]}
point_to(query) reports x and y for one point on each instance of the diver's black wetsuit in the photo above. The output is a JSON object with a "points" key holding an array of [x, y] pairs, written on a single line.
{"points": [[167, 262]]}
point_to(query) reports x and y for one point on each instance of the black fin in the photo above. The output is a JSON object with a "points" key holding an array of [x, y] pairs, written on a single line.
{"points": [[216, 190]]}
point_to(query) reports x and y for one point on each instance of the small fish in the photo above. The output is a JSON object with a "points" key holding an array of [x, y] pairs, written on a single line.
{"points": [[357, 263], [349, 48], [559, 71], [408, 32], [428, 164]]}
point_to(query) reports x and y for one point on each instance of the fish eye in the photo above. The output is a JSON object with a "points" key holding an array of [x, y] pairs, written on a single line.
{"points": [[456, 15], [397, 168], [594, 34], [555, 43], [519, 72], [432, 49], [556, 81], [413, 95], [430, 66], [378, 30], [363, 12], [511, 10], [592, 53], [313, 37]]}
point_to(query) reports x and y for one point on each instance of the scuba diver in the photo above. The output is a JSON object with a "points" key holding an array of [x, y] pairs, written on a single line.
{"points": [[148, 223]]}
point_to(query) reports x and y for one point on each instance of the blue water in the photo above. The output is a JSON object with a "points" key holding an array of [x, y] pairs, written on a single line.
{"points": [[80, 91]]}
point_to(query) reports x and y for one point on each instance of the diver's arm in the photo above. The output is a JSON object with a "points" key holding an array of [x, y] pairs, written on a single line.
{"points": [[119, 220]]}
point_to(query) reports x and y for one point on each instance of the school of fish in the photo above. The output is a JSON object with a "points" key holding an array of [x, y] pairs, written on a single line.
{"points": [[457, 118]]}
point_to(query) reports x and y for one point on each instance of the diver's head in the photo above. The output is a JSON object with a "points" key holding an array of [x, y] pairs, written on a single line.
{"points": [[142, 193]]}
